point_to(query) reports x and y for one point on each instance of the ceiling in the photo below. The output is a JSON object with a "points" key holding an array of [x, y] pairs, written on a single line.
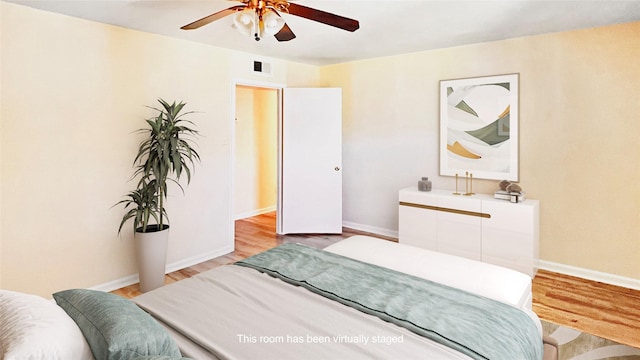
{"points": [[386, 27]]}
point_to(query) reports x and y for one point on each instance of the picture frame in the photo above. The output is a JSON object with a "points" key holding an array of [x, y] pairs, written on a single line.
{"points": [[479, 127]]}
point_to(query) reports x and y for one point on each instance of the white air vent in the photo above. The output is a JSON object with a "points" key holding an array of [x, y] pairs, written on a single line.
{"points": [[262, 68]]}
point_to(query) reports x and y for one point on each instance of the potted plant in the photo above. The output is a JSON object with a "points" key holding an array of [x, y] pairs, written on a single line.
{"points": [[164, 155]]}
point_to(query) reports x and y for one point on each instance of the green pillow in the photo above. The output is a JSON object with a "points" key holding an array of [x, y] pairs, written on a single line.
{"points": [[115, 327]]}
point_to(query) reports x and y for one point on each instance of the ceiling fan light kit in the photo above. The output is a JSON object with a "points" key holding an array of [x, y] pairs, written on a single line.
{"points": [[255, 22], [272, 22], [256, 17], [245, 21]]}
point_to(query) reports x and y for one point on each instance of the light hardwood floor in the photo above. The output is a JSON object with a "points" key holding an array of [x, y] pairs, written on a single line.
{"points": [[604, 310]]}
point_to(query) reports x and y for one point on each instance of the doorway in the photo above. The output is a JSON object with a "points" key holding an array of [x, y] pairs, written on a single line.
{"points": [[265, 179], [255, 178]]}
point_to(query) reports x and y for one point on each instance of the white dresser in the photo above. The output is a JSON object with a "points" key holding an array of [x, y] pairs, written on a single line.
{"points": [[477, 227]]}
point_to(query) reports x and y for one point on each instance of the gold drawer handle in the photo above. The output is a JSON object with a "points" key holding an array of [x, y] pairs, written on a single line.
{"points": [[438, 208]]}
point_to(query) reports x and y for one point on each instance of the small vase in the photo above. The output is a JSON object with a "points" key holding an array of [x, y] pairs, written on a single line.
{"points": [[424, 184]]}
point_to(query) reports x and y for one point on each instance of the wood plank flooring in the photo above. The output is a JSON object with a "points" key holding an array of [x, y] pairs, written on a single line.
{"points": [[604, 310], [608, 311]]}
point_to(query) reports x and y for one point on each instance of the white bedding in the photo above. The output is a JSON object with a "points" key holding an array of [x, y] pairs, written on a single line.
{"points": [[34, 328]]}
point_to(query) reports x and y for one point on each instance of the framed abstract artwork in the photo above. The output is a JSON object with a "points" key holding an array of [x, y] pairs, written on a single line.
{"points": [[479, 127]]}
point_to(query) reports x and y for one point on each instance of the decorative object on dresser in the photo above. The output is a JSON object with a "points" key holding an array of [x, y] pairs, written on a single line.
{"points": [[167, 151], [424, 184], [480, 227], [479, 127], [510, 191], [468, 185]]}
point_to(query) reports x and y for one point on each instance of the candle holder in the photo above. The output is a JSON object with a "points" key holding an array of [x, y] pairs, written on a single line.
{"points": [[456, 193], [468, 184]]}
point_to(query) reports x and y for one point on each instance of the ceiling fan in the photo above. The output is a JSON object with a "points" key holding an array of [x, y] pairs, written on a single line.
{"points": [[255, 17]]}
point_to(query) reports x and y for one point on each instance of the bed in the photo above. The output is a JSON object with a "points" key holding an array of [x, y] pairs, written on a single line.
{"points": [[361, 298]]}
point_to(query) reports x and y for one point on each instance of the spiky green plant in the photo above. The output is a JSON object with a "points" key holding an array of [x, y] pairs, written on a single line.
{"points": [[164, 155], [143, 205]]}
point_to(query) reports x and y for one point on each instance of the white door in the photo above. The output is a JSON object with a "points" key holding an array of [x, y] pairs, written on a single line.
{"points": [[311, 162]]}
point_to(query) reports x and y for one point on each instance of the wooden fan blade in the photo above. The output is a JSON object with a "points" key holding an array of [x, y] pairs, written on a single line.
{"points": [[285, 34], [213, 17], [324, 17]]}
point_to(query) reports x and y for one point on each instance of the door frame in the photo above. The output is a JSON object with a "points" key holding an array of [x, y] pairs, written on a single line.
{"points": [[232, 151]]}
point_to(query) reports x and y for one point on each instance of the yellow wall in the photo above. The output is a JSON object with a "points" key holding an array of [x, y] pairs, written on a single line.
{"points": [[256, 134], [74, 91], [579, 136]]}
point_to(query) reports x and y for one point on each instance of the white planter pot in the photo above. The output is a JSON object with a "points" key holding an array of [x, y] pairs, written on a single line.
{"points": [[151, 255]]}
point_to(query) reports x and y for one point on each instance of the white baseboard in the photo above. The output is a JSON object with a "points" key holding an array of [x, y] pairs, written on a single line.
{"points": [[591, 274], [371, 229], [133, 279], [175, 266], [256, 212], [117, 284]]}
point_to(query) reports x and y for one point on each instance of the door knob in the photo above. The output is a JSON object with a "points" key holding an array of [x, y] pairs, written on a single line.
{"points": [[336, 168]]}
